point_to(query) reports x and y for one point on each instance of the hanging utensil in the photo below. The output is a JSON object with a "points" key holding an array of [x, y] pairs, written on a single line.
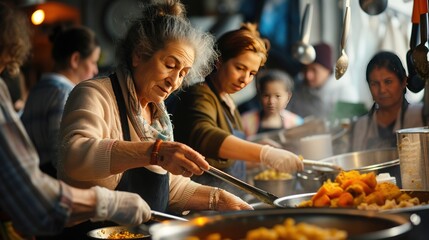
{"points": [[415, 83], [343, 61], [302, 50], [262, 195], [420, 52], [373, 7]]}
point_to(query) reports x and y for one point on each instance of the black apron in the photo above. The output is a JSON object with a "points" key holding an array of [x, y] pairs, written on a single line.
{"points": [[386, 136], [155, 190]]}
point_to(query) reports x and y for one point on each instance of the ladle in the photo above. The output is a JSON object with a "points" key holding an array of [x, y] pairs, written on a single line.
{"points": [[343, 61], [373, 7], [420, 52], [302, 50], [415, 82]]}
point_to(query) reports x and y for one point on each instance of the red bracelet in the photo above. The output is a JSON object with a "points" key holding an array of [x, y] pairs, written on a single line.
{"points": [[155, 150]]}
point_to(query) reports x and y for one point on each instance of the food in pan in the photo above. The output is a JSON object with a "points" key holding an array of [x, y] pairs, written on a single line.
{"points": [[352, 189], [289, 230], [271, 174], [123, 234]]}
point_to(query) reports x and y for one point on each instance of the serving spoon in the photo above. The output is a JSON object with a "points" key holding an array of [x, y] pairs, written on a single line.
{"points": [[302, 50], [343, 61], [420, 52]]}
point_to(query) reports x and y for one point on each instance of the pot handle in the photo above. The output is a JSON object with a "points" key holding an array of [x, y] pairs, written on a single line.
{"points": [[415, 219]]}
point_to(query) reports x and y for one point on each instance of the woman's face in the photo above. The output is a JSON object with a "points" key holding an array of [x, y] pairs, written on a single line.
{"points": [[87, 68], [274, 98], [234, 74], [386, 88], [156, 78]]}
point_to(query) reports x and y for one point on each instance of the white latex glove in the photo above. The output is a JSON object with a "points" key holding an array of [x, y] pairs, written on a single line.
{"points": [[280, 159], [123, 208]]}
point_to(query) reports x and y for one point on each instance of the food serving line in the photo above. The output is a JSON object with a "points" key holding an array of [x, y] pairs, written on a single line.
{"points": [[408, 164], [400, 223]]}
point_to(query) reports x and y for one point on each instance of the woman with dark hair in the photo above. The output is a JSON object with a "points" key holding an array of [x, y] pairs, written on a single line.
{"points": [[75, 53], [387, 81], [206, 116]]}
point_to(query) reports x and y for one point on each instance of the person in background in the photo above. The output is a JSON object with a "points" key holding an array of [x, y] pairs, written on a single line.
{"points": [[274, 89], [75, 52], [115, 131], [206, 116], [17, 89], [387, 81], [318, 92], [32, 203]]}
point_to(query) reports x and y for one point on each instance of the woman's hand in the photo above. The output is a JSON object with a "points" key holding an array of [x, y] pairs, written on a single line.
{"points": [[180, 159], [228, 202], [280, 159]]}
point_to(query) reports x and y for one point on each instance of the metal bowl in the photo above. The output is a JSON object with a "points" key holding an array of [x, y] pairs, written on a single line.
{"points": [[235, 225], [375, 160], [278, 187]]}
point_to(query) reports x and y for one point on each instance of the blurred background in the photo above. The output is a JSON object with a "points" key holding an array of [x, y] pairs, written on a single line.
{"points": [[279, 21]]}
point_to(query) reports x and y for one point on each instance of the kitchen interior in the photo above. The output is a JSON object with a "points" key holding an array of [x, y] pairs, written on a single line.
{"points": [[372, 26]]}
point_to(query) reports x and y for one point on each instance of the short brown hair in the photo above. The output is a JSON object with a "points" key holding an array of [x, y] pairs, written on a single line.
{"points": [[247, 38]]}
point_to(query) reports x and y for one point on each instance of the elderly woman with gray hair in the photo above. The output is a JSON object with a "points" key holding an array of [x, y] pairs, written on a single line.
{"points": [[115, 130]]}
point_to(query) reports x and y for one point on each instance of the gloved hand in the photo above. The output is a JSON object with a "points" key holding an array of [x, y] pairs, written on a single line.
{"points": [[227, 202], [280, 159], [123, 208]]}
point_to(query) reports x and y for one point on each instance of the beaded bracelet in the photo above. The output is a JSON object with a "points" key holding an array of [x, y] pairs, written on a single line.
{"points": [[214, 198], [155, 151]]}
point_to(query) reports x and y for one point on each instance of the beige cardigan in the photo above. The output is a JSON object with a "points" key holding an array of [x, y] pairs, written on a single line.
{"points": [[89, 128]]}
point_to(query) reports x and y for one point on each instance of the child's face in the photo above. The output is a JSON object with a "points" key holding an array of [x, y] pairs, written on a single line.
{"points": [[275, 97]]}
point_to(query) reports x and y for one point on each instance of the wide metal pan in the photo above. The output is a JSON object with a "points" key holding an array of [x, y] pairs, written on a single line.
{"points": [[105, 232], [419, 231], [363, 225], [143, 230]]}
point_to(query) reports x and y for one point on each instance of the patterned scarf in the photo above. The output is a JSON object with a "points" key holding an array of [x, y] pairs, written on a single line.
{"points": [[161, 127]]}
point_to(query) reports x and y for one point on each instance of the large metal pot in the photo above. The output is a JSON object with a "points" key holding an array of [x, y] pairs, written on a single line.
{"points": [[376, 160], [235, 225], [419, 231], [413, 149]]}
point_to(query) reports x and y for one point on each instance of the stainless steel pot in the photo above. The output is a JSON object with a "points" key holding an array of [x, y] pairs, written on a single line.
{"points": [[278, 187], [376, 160], [419, 231], [235, 225], [413, 149]]}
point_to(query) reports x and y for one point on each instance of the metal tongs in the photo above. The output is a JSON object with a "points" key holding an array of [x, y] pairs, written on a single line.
{"points": [[160, 217], [262, 195], [322, 164]]}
